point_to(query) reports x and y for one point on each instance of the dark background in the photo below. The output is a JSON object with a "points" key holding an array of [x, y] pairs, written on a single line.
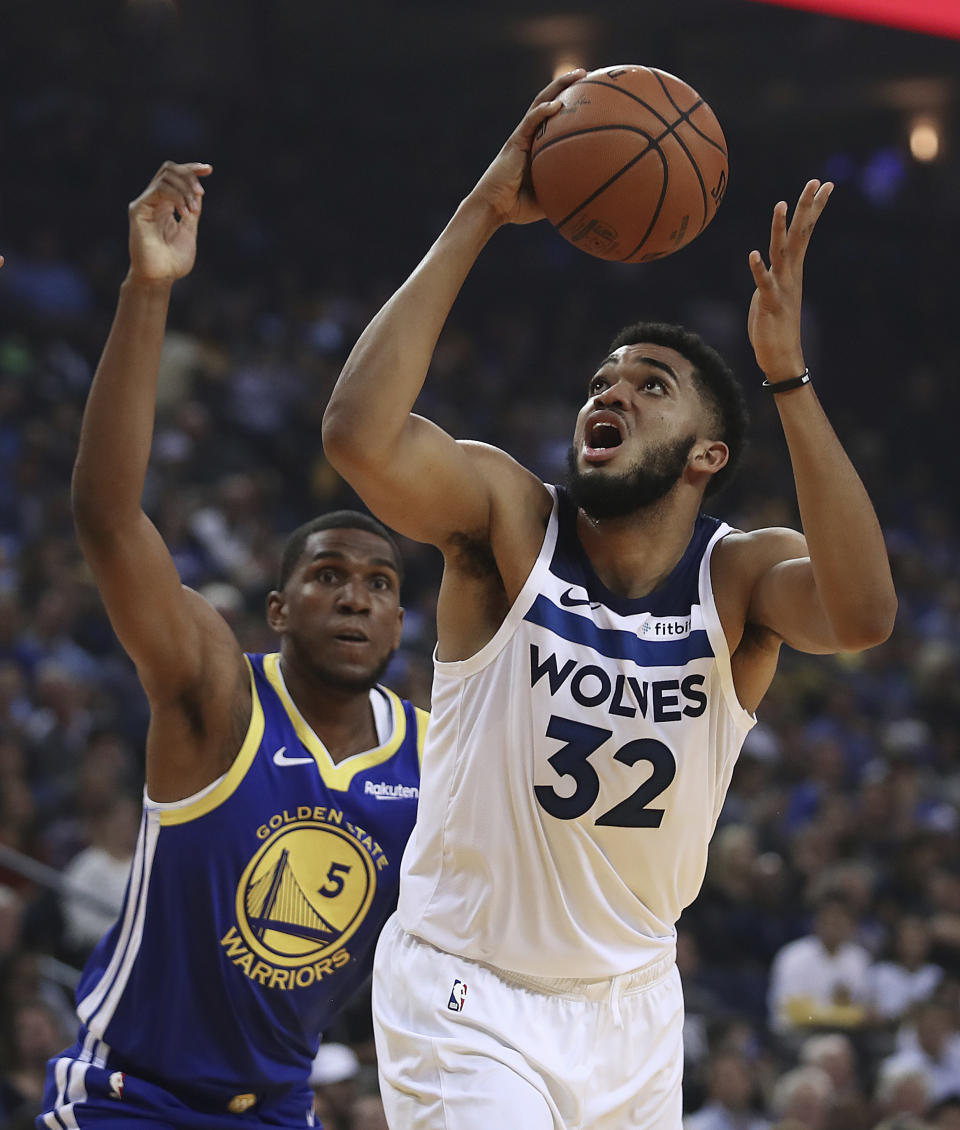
{"points": [[342, 138]]}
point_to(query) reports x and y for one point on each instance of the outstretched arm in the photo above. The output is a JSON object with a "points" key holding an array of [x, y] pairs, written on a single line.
{"points": [[186, 657], [836, 592], [407, 470]]}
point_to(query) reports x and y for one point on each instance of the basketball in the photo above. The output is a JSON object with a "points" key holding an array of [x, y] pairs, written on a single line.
{"points": [[633, 167]]}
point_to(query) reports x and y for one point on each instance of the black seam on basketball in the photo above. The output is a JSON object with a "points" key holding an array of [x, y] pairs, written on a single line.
{"points": [[654, 144], [683, 145], [684, 113], [643, 102], [657, 210], [587, 129], [706, 137]]}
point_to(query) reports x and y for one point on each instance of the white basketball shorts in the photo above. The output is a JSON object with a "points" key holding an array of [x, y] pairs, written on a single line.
{"points": [[462, 1046]]}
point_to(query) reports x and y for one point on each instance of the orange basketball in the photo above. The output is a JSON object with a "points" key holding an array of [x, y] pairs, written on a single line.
{"points": [[633, 167]]}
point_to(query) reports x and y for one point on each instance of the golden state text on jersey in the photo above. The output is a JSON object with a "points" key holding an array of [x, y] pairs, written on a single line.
{"points": [[253, 907]]}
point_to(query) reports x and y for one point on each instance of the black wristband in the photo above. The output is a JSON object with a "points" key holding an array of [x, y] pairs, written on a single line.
{"points": [[792, 382]]}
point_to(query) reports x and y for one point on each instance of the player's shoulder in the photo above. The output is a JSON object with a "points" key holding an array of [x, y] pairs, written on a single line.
{"points": [[517, 495], [500, 465], [743, 554]]}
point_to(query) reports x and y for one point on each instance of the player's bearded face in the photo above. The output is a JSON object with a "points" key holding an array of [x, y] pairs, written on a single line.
{"points": [[615, 496]]}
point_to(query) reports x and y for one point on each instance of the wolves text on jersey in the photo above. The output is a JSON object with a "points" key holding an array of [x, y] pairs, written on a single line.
{"points": [[664, 700]]}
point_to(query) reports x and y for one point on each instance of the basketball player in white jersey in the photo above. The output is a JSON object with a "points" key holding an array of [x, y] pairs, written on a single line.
{"points": [[601, 650]]}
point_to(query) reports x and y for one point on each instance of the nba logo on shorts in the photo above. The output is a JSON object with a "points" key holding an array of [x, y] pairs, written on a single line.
{"points": [[116, 1085], [458, 996]]}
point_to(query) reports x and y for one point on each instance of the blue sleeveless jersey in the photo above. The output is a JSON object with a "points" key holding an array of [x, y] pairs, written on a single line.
{"points": [[253, 907]]}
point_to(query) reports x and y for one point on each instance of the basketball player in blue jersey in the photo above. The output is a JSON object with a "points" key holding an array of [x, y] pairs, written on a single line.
{"points": [[601, 650], [280, 789]]}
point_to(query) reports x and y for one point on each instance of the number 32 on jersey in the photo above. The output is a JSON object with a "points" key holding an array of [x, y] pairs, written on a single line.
{"points": [[579, 742]]}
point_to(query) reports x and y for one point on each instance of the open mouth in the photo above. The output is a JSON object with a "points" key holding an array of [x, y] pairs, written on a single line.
{"points": [[603, 434]]}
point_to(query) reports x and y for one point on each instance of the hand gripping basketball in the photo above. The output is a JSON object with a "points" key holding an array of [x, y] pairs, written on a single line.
{"points": [[505, 186]]}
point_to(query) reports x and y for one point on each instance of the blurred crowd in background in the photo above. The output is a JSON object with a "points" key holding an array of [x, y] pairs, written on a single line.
{"points": [[821, 962]]}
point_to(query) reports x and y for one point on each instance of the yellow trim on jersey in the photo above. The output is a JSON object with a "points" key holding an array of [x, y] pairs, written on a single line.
{"points": [[337, 775], [216, 794], [423, 717]]}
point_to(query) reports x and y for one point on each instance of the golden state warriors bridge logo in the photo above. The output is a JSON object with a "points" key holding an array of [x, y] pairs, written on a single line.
{"points": [[302, 897]]}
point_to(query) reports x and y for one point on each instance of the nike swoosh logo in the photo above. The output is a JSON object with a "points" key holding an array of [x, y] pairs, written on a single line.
{"points": [[569, 601], [280, 758]]}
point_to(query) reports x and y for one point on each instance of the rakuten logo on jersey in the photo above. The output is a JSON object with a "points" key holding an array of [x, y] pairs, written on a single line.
{"points": [[382, 790]]}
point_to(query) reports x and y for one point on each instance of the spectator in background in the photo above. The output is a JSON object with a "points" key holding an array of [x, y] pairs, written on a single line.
{"points": [[901, 1089], [907, 977], [930, 1043], [803, 1097], [334, 1082], [100, 870], [730, 1093], [833, 1053], [821, 980], [32, 1036]]}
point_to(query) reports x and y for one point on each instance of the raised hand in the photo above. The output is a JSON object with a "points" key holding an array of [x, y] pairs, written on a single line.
{"points": [[163, 223], [774, 319], [505, 186]]}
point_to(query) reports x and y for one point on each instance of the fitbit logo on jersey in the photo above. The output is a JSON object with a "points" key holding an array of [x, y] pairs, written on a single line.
{"points": [[666, 627]]}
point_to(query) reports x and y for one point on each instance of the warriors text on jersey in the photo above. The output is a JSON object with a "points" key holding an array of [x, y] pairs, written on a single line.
{"points": [[575, 769], [253, 907]]}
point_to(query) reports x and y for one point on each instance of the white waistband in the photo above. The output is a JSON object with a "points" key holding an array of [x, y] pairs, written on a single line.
{"points": [[634, 980], [621, 985]]}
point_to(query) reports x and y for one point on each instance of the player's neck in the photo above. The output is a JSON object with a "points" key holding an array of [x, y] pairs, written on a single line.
{"points": [[634, 554], [342, 719]]}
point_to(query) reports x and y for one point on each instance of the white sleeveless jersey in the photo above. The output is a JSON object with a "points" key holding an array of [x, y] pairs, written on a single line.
{"points": [[574, 770]]}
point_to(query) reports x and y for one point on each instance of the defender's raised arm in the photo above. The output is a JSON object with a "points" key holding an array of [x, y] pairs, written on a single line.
{"points": [[183, 650]]}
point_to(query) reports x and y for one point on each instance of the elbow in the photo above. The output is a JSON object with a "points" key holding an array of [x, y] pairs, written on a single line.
{"points": [[872, 626], [344, 444], [352, 444], [335, 434]]}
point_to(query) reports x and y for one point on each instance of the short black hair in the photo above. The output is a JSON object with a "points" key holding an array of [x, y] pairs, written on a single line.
{"points": [[715, 380], [336, 520]]}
